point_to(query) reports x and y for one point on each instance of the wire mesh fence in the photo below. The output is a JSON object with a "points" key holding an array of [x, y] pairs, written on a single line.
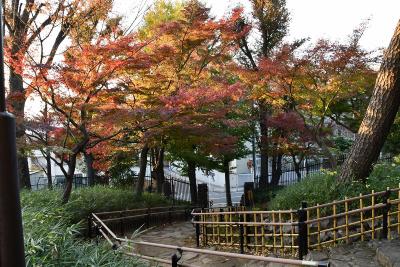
{"points": [[58, 182]]}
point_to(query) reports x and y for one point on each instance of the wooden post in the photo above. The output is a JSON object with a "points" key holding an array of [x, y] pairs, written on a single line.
{"points": [[197, 218], [241, 234], [302, 238], [89, 218]]}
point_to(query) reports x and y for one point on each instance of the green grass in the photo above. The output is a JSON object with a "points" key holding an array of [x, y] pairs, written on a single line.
{"points": [[51, 229], [88, 200], [324, 188]]}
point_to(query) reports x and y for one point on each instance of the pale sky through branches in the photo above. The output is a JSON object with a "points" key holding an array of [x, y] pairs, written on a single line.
{"points": [[333, 19]]}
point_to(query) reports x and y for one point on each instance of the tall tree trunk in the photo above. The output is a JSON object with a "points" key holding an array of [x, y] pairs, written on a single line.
{"points": [[90, 171], [142, 170], [276, 169], [48, 171], [263, 181], [159, 170], [379, 116], [192, 181], [17, 100], [326, 152], [227, 183], [69, 179], [18, 108], [297, 167]]}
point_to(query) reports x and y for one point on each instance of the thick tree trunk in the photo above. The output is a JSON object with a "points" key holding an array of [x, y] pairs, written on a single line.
{"points": [[227, 183], [159, 170], [67, 189], [142, 170], [17, 101], [69, 179], [263, 180], [192, 181], [379, 116], [23, 170]]}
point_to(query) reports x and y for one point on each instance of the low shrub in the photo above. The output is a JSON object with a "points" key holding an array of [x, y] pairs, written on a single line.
{"points": [[85, 201], [51, 229], [50, 238], [324, 188]]}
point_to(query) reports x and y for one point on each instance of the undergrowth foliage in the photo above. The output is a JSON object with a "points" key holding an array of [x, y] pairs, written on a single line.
{"points": [[324, 188], [52, 230]]}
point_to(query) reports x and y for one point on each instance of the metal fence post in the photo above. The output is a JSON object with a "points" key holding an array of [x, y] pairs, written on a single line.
{"points": [[386, 210], [241, 234], [176, 257], [302, 239]]}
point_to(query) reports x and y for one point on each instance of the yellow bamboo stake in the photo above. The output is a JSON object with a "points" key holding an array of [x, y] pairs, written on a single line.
{"points": [[218, 230], [334, 222], [273, 232], [389, 234], [292, 234], [226, 217], [212, 225], [318, 227], [245, 228], [398, 212], [308, 230], [281, 232], [230, 226], [346, 210], [361, 218], [262, 235], [373, 214], [255, 232]]}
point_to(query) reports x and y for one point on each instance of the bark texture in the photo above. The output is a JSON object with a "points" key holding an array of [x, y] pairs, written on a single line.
{"points": [[192, 181], [69, 179], [142, 170], [263, 182], [276, 169], [159, 169], [227, 184], [379, 116]]}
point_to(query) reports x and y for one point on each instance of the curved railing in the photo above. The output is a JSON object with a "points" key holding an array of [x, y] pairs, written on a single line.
{"points": [[126, 246]]}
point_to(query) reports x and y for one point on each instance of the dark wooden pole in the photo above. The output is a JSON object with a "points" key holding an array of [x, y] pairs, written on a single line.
{"points": [[11, 236]]}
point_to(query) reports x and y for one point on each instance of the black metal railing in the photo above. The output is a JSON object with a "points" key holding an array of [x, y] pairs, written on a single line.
{"points": [[127, 221], [58, 182], [290, 175]]}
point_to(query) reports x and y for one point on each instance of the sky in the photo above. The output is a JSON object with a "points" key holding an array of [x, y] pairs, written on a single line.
{"points": [[333, 19]]}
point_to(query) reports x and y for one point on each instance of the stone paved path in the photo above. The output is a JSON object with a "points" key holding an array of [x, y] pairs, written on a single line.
{"points": [[362, 254], [182, 234]]}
